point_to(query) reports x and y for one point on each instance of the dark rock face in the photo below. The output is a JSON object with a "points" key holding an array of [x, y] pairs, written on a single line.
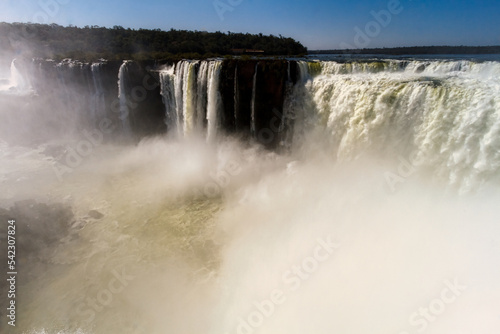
{"points": [[269, 97], [145, 105], [73, 95], [253, 91], [243, 97], [227, 88]]}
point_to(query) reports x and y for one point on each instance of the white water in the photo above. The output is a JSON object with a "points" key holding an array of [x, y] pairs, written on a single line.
{"points": [[99, 104], [210, 232], [122, 96], [167, 82], [448, 115], [202, 98], [16, 83], [214, 100], [191, 97], [185, 96]]}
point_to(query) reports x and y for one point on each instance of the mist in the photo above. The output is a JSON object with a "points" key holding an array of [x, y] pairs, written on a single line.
{"points": [[370, 222]]}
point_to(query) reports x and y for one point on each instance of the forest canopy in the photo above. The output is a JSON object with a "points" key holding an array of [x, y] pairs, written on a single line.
{"points": [[94, 42]]}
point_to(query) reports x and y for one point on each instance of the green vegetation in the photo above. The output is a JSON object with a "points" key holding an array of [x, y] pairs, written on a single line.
{"points": [[94, 42]]}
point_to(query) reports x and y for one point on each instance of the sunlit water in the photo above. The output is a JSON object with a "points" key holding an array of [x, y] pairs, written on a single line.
{"points": [[346, 233]]}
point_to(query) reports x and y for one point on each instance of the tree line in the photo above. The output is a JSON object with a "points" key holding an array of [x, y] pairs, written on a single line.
{"points": [[94, 42]]}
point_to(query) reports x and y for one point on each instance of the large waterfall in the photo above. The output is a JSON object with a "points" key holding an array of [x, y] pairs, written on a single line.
{"points": [[445, 113], [16, 83], [191, 96], [122, 96], [244, 196], [213, 100], [99, 103]]}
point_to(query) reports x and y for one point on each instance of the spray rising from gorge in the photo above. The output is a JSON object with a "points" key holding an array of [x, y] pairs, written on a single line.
{"points": [[255, 196]]}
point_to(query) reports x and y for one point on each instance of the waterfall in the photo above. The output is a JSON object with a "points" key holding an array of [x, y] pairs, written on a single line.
{"points": [[446, 113], [296, 104], [169, 235], [201, 102], [179, 103], [253, 130], [167, 82], [288, 109], [185, 92], [16, 83], [66, 94], [98, 101], [122, 96], [17, 80], [303, 71], [189, 97], [214, 99]]}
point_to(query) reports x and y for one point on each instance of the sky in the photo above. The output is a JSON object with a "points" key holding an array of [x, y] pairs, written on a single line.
{"points": [[317, 24]]}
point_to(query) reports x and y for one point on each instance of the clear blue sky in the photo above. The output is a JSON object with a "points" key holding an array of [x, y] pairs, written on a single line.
{"points": [[318, 24]]}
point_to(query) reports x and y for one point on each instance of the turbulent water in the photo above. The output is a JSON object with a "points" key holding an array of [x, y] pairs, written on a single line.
{"points": [[380, 217]]}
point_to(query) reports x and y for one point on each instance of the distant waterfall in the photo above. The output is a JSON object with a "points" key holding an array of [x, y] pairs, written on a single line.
{"points": [[122, 96], [297, 105], [214, 99], [185, 96], [191, 95], [202, 98], [178, 92], [98, 101], [73, 90], [167, 82], [288, 110], [17, 80], [16, 83]]}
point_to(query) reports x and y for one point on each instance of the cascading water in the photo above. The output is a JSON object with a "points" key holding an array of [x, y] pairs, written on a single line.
{"points": [[191, 96], [15, 83], [179, 79], [444, 112], [98, 97], [122, 96], [167, 82], [380, 217], [185, 96], [73, 91], [297, 103], [202, 97], [17, 80], [214, 99]]}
